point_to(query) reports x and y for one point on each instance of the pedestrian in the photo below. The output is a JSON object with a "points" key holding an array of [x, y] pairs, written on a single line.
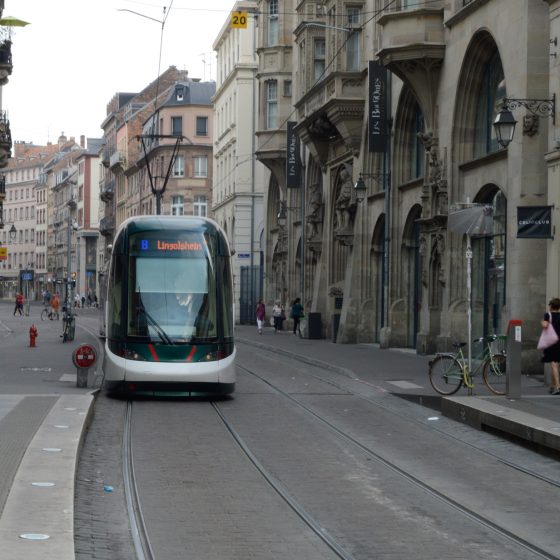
{"points": [[278, 316], [55, 306], [260, 315], [296, 314], [83, 302], [551, 355], [89, 300], [19, 304]]}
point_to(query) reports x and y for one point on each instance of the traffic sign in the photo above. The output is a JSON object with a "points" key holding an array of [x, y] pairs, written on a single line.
{"points": [[239, 20], [84, 356]]}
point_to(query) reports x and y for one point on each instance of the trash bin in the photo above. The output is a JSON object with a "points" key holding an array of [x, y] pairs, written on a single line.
{"points": [[314, 326], [335, 322]]}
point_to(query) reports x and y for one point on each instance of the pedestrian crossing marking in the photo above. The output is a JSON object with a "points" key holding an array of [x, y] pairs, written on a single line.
{"points": [[68, 377]]}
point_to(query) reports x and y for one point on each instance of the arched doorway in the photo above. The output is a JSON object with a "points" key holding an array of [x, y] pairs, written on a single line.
{"points": [[489, 268], [376, 272], [412, 274]]}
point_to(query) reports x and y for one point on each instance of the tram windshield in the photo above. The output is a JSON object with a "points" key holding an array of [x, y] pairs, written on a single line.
{"points": [[172, 299]]}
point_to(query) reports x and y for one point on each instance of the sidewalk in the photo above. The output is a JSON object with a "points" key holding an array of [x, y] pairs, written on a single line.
{"points": [[533, 418], [43, 418]]}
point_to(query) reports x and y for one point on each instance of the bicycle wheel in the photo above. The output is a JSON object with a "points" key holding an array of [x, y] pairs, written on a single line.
{"points": [[44, 314], [494, 374], [446, 375]]}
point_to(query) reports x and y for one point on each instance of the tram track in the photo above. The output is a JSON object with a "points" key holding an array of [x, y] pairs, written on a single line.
{"points": [[432, 426], [409, 476], [140, 538]]}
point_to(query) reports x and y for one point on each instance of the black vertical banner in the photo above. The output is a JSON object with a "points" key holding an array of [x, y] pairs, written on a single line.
{"points": [[377, 107], [293, 161]]}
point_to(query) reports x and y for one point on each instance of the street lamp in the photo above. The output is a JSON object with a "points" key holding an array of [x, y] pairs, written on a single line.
{"points": [[504, 124], [360, 189], [282, 217]]}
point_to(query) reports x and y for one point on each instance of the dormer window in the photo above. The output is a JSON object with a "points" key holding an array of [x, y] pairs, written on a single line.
{"points": [[179, 94]]}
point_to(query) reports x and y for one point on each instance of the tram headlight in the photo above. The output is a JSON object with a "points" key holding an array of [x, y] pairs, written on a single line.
{"points": [[128, 354], [214, 356]]}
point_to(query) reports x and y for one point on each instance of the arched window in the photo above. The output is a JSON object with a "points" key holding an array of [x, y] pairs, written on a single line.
{"points": [[492, 91]]}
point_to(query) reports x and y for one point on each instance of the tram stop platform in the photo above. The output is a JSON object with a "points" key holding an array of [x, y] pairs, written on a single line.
{"points": [[532, 420]]}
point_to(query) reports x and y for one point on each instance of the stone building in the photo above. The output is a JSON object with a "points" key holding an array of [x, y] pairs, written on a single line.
{"points": [[387, 269], [239, 179]]}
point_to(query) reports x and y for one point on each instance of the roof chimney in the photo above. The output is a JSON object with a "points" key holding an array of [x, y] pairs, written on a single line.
{"points": [[82, 141]]}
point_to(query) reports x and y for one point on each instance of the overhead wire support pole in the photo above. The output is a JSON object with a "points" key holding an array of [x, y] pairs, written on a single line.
{"points": [[158, 193]]}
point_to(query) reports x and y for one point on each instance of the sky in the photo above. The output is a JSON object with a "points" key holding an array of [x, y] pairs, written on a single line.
{"points": [[76, 54]]}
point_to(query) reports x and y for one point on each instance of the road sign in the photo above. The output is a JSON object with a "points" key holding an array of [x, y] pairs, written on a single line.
{"points": [[84, 356], [239, 20]]}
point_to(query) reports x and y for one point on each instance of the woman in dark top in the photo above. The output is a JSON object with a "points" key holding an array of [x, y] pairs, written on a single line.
{"points": [[296, 314], [551, 355]]}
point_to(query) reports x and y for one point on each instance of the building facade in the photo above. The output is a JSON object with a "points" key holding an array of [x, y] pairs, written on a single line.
{"points": [[388, 269], [239, 179]]}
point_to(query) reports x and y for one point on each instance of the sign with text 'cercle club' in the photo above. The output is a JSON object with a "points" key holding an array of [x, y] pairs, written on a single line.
{"points": [[84, 356]]}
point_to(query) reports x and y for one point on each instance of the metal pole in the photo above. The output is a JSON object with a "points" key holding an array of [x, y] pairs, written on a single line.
{"points": [[469, 255], [68, 265]]}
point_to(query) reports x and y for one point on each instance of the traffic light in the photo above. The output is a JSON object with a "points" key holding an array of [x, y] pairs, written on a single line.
{"points": [[73, 279]]}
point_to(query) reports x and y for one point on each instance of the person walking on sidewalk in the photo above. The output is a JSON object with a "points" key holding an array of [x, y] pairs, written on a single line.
{"points": [[19, 304], [260, 315], [551, 355], [296, 314], [278, 316]]}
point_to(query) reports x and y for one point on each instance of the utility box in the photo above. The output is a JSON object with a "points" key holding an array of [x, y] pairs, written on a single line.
{"points": [[314, 326]]}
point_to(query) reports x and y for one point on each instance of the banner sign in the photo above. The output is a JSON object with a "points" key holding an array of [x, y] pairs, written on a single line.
{"points": [[3, 253], [293, 161], [534, 222], [377, 107]]}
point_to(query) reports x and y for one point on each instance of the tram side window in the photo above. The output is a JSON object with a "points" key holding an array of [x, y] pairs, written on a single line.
{"points": [[115, 298]]}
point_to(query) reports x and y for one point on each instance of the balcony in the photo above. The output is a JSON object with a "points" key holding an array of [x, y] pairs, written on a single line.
{"points": [[5, 139], [107, 191], [105, 156], [414, 48], [332, 111], [107, 226], [117, 161], [5, 61]]}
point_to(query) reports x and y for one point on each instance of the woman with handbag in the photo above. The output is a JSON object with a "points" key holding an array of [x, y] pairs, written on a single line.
{"points": [[551, 354]]}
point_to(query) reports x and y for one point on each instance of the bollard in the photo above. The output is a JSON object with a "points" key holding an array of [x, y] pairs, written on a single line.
{"points": [[513, 359], [82, 377]]}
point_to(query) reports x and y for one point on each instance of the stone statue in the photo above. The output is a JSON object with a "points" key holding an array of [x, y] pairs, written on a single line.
{"points": [[343, 203], [314, 206]]}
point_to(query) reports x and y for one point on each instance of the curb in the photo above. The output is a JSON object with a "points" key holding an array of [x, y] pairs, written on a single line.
{"points": [[484, 414], [46, 512]]}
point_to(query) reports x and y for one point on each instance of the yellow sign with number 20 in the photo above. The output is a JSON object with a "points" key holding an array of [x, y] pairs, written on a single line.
{"points": [[239, 20]]}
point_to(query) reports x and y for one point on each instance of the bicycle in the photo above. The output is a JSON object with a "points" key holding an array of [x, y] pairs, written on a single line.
{"points": [[449, 372], [49, 313], [68, 326]]}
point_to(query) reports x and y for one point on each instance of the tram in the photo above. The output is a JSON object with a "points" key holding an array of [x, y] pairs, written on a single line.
{"points": [[169, 313]]}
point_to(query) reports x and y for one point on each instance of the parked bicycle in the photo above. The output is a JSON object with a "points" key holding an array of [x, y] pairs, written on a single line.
{"points": [[449, 372]]}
